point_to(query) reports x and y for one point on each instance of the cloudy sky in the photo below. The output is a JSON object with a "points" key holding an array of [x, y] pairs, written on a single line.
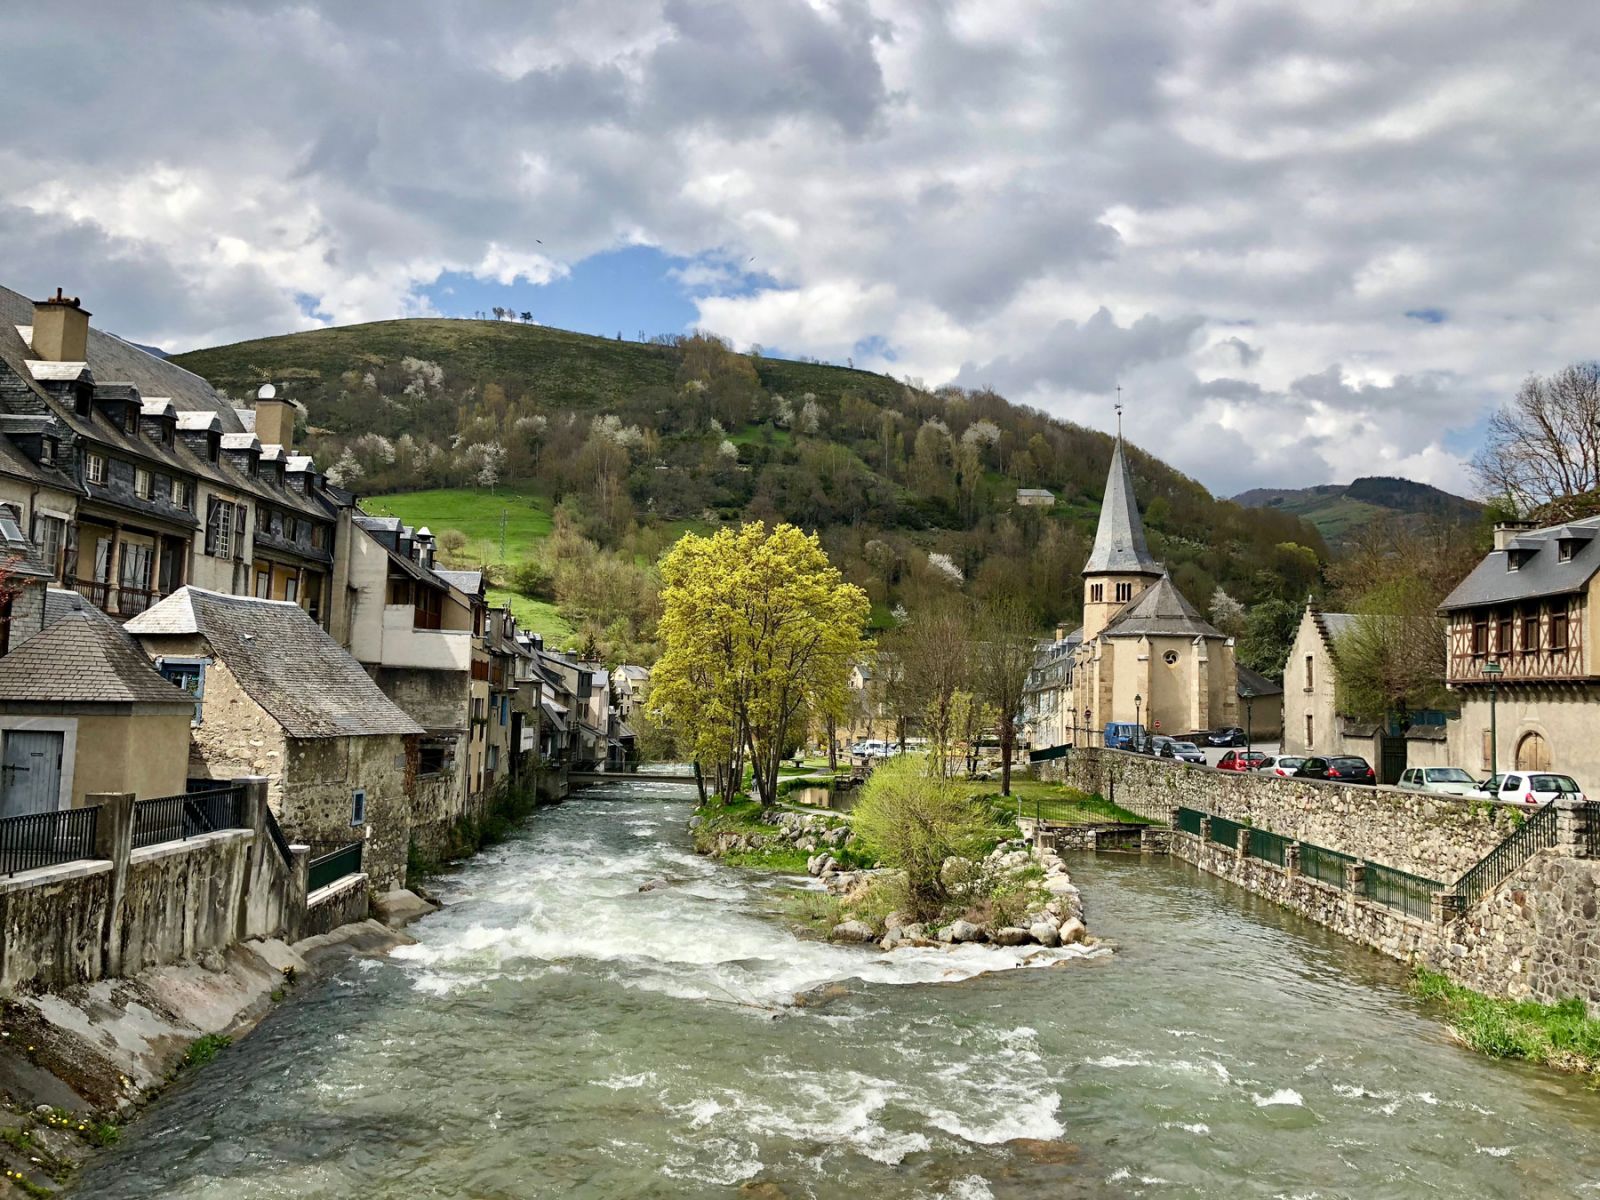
{"points": [[1309, 240]]}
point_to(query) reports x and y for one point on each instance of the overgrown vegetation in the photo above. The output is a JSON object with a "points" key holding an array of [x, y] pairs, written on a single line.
{"points": [[204, 1049], [1556, 1035]]}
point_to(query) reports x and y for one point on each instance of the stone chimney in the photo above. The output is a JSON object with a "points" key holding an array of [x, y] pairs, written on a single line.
{"points": [[60, 329], [1504, 531], [422, 540], [274, 418]]}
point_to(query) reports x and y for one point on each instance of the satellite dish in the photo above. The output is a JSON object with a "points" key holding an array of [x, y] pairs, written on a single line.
{"points": [[266, 392]]}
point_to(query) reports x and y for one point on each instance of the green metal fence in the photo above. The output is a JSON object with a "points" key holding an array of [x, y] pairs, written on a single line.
{"points": [[1399, 890], [1225, 832], [1537, 833], [1269, 847], [1326, 866], [1189, 820], [330, 868]]}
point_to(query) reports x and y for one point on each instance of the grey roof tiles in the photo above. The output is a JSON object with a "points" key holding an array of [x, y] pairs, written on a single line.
{"points": [[1119, 547], [1159, 610], [1539, 570], [83, 659]]}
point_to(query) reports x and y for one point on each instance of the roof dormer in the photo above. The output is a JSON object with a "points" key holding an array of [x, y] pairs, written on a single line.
{"points": [[243, 452]]}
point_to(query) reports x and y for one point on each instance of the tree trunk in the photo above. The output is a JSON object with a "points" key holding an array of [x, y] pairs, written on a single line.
{"points": [[833, 747], [1008, 737]]}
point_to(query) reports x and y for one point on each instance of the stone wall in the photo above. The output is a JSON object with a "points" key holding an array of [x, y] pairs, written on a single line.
{"points": [[52, 925], [183, 898], [343, 902], [318, 799], [1437, 837], [1534, 937]]}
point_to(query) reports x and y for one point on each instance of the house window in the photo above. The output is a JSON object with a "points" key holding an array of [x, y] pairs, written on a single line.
{"points": [[47, 451], [1170, 658], [1564, 549], [189, 674], [318, 537], [47, 535], [240, 515], [1124, 592], [1097, 593], [1558, 629], [291, 588], [219, 528], [1530, 631], [1480, 635], [431, 758], [95, 469], [1503, 633], [130, 418], [358, 807], [263, 585], [183, 495], [144, 485], [1311, 672], [1310, 731]]}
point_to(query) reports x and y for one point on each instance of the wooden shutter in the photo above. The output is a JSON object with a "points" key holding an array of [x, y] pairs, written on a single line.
{"points": [[239, 514], [213, 512]]}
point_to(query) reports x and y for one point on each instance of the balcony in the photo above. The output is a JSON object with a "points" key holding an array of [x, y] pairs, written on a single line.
{"points": [[123, 600], [407, 645]]}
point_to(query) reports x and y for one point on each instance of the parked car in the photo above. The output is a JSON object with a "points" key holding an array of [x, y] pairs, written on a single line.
{"points": [[1341, 768], [1231, 736], [1155, 744], [1123, 735], [1535, 789], [1241, 760], [1449, 781], [1187, 752], [1282, 765]]}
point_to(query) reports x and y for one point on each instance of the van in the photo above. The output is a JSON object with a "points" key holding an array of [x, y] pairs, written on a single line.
{"points": [[1123, 735]]}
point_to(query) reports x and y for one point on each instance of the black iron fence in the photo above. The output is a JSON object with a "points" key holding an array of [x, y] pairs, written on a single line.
{"points": [[334, 866], [1189, 820], [45, 839], [1324, 865], [1225, 832], [275, 832], [1537, 833], [177, 818]]}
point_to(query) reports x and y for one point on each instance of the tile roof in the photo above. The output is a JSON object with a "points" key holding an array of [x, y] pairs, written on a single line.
{"points": [[82, 659], [1539, 572], [1159, 611], [1254, 685], [470, 582], [1119, 541], [308, 683], [62, 602]]}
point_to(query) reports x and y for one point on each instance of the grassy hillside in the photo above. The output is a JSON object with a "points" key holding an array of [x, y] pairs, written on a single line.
{"points": [[1341, 510], [454, 424]]}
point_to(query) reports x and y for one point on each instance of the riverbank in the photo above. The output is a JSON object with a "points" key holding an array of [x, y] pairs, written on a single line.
{"points": [[1562, 1036]]}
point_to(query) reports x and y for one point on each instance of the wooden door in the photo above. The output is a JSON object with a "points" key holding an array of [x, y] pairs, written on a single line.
{"points": [[1533, 753], [30, 772]]}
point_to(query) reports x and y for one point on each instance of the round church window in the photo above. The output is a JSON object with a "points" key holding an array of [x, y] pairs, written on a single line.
{"points": [[1170, 658]]}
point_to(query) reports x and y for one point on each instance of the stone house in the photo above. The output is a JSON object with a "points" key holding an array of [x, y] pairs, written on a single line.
{"points": [[1146, 654], [1260, 705], [1314, 724], [276, 696], [83, 711], [1526, 608], [1035, 497]]}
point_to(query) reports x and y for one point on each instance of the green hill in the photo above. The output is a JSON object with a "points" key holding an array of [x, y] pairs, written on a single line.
{"points": [[630, 443], [1341, 510]]}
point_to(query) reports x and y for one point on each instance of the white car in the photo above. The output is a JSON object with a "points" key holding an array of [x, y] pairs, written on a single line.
{"points": [[1283, 766], [1449, 781], [1535, 789]]}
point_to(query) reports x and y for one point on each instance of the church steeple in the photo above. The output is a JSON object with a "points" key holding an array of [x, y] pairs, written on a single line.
{"points": [[1119, 547]]}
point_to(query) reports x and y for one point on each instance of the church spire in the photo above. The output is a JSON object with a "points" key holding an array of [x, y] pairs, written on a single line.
{"points": [[1119, 547]]}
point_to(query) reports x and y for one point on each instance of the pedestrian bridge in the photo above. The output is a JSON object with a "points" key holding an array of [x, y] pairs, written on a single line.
{"points": [[582, 774]]}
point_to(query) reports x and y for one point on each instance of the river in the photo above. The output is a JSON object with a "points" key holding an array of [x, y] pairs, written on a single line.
{"points": [[556, 1032]]}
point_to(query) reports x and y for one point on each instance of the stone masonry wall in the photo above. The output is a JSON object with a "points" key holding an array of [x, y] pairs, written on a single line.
{"points": [[1437, 837], [183, 898], [323, 774]]}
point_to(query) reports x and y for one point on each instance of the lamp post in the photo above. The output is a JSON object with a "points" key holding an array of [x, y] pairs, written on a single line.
{"points": [[1249, 734], [1493, 670], [1088, 727], [1138, 729]]}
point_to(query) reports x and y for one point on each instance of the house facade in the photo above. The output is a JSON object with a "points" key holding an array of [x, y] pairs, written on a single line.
{"points": [[1527, 609]]}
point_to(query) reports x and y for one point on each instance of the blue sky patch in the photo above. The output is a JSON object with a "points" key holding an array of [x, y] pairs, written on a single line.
{"points": [[1428, 316]]}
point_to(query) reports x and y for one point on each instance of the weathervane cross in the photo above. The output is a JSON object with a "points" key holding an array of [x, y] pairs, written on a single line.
{"points": [[1119, 411]]}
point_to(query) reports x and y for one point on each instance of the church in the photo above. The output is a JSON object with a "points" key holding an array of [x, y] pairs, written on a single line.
{"points": [[1144, 654]]}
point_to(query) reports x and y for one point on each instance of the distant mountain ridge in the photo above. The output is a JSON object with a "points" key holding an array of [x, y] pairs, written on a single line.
{"points": [[1340, 509]]}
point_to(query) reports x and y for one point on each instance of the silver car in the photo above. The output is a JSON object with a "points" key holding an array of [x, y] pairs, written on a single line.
{"points": [[1448, 781]]}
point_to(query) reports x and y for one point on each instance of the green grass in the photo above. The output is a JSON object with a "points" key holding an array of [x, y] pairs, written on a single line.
{"points": [[477, 514], [537, 616], [205, 1048], [1054, 802], [1561, 1035]]}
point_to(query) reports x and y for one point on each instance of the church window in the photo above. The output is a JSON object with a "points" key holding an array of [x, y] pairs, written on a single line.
{"points": [[1097, 593], [1170, 658], [1124, 592]]}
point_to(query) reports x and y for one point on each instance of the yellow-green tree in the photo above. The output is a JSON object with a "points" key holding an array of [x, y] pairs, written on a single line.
{"points": [[757, 630]]}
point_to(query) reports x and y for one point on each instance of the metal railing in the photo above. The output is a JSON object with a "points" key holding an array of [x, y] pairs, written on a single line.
{"points": [[332, 867], [1189, 820], [1225, 832], [1269, 847], [45, 839], [178, 818], [1410, 894], [275, 832], [1537, 833], [1324, 865]]}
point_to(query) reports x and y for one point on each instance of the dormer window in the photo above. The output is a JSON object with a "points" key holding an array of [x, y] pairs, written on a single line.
{"points": [[48, 448], [1515, 559], [130, 418], [213, 445], [83, 401], [1566, 548]]}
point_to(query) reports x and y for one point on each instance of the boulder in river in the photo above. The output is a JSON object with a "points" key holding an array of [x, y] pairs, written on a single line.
{"points": [[1072, 930], [1045, 933], [966, 931], [853, 931], [1012, 935], [654, 885]]}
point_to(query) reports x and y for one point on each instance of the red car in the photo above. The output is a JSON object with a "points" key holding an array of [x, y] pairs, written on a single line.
{"points": [[1241, 760]]}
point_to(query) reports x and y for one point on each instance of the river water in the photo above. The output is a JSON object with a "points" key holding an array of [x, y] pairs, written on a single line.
{"points": [[556, 1032]]}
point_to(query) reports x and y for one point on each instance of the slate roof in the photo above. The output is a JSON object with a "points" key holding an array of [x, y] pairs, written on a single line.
{"points": [[304, 679], [1254, 684], [82, 659], [62, 602], [1119, 547], [1159, 611], [1540, 571], [470, 582]]}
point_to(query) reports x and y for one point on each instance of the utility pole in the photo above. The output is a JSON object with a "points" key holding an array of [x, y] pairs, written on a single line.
{"points": [[502, 535]]}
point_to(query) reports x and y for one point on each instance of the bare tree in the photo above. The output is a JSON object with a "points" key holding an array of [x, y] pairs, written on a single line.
{"points": [[1545, 444], [935, 652], [1004, 657]]}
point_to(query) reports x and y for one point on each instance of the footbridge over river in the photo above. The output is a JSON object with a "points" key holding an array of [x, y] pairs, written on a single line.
{"points": [[588, 773]]}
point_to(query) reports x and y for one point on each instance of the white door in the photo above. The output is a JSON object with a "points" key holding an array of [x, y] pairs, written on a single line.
{"points": [[30, 772]]}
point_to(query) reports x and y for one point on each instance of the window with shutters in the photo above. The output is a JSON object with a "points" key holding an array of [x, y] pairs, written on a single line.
{"points": [[1530, 630], [240, 515], [219, 528], [1558, 629]]}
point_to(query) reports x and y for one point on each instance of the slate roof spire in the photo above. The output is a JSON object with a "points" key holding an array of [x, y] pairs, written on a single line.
{"points": [[1119, 547]]}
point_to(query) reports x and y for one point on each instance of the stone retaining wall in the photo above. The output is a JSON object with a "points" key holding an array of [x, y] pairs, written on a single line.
{"points": [[1437, 837], [343, 902]]}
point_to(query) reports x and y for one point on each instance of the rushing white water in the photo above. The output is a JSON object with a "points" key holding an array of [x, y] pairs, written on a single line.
{"points": [[556, 1032]]}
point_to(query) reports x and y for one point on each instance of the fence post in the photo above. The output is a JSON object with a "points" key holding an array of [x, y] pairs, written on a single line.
{"points": [[1241, 841], [1291, 858], [113, 840], [1174, 815], [1445, 907], [1205, 829], [294, 908], [1355, 878], [253, 816], [1577, 827]]}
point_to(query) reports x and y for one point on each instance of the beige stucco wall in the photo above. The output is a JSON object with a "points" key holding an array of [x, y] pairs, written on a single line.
{"points": [[1319, 700], [147, 755], [367, 583], [1198, 690], [221, 574], [1568, 720]]}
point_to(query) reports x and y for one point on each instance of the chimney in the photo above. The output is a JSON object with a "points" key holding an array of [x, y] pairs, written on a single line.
{"points": [[423, 541], [60, 329], [1504, 531], [1061, 632], [274, 418]]}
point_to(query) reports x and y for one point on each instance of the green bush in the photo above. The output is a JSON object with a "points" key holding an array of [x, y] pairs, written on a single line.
{"points": [[532, 577], [1560, 1035]]}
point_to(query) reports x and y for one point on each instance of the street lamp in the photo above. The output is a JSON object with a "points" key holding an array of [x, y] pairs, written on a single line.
{"points": [[1088, 727], [1138, 729], [1249, 734], [1493, 670]]}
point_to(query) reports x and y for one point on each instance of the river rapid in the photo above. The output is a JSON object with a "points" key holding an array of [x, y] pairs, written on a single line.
{"points": [[557, 1032]]}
